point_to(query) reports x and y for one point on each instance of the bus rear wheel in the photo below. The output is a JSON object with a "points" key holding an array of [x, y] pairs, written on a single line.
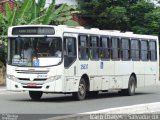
{"points": [[35, 95], [131, 87], [81, 94]]}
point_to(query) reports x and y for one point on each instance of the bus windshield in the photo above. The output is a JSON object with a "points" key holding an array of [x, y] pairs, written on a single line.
{"points": [[29, 51]]}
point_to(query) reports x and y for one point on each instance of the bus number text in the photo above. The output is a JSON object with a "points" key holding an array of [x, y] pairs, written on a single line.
{"points": [[84, 66]]}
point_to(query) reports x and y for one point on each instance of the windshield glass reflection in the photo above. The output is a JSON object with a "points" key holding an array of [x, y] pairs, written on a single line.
{"points": [[35, 51]]}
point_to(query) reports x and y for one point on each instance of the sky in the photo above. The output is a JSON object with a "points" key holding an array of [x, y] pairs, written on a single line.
{"points": [[69, 2]]}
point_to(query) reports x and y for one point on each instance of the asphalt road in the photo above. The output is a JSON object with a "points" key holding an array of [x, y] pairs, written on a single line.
{"points": [[55, 104]]}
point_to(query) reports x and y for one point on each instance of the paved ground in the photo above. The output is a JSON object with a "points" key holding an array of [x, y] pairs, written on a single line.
{"points": [[20, 103]]}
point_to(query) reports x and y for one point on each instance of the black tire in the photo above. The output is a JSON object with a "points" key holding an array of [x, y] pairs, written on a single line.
{"points": [[131, 87], [81, 94], [35, 95]]}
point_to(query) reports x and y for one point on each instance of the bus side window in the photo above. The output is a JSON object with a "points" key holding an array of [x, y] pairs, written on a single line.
{"points": [[70, 53], [83, 47], [104, 48], [152, 49], [94, 48], [125, 46], [144, 50], [135, 50], [115, 46]]}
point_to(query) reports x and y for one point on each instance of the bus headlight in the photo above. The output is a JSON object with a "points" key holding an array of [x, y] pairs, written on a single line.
{"points": [[11, 77], [53, 78]]}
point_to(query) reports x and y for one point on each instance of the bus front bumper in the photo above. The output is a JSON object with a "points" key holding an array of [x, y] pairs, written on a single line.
{"points": [[53, 86]]}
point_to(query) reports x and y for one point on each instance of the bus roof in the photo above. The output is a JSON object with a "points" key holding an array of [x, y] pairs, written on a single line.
{"points": [[92, 31]]}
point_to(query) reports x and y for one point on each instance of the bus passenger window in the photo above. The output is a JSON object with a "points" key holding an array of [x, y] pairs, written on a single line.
{"points": [[115, 48], [144, 50], [104, 48], [135, 48], [94, 48], [125, 49], [152, 49], [83, 47]]}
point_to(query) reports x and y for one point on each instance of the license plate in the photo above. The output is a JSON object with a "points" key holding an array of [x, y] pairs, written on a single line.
{"points": [[31, 84]]}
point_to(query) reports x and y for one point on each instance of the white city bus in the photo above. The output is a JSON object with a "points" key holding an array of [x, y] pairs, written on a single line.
{"points": [[62, 59]]}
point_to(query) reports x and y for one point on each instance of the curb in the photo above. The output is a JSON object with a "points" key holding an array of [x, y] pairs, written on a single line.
{"points": [[134, 109]]}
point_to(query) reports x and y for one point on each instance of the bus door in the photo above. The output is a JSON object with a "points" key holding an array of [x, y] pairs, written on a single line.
{"points": [[70, 64]]}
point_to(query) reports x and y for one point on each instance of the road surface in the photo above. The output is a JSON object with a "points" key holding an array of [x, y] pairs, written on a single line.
{"points": [[58, 104]]}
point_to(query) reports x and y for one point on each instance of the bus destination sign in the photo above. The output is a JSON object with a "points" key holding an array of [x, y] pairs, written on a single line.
{"points": [[33, 31]]}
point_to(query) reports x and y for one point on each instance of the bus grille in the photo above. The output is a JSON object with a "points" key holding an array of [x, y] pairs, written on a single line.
{"points": [[32, 71], [32, 86], [36, 79], [25, 79]]}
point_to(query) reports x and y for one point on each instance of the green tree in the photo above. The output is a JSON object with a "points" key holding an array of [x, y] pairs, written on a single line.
{"points": [[106, 14], [114, 18], [124, 15], [137, 18], [152, 22], [91, 9], [30, 12]]}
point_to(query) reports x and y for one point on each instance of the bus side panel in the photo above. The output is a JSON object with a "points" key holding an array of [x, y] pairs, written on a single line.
{"points": [[123, 70], [150, 73], [71, 84], [105, 82], [89, 68], [139, 68], [106, 71]]}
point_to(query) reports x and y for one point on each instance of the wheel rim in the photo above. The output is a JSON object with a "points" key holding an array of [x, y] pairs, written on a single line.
{"points": [[81, 90]]}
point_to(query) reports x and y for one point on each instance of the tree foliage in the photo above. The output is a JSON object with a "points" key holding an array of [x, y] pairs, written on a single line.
{"points": [[139, 16], [152, 21], [30, 12], [116, 14]]}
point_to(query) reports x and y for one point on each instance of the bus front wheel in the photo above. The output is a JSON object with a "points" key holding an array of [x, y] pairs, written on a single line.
{"points": [[35, 95], [81, 94]]}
